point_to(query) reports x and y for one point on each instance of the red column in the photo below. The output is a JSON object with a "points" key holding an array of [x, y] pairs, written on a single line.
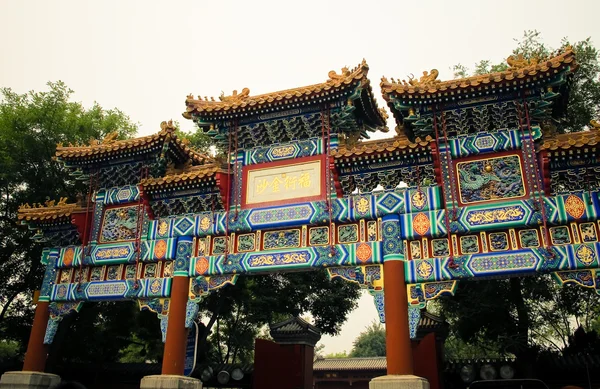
{"points": [[397, 340], [35, 357], [174, 354]]}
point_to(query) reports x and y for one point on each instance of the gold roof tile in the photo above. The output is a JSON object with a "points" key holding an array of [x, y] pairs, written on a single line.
{"points": [[243, 99], [183, 176], [572, 140], [519, 69], [110, 145], [379, 146], [49, 211]]}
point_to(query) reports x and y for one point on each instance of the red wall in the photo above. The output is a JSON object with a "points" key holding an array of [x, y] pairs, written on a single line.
{"points": [[282, 366], [426, 362]]}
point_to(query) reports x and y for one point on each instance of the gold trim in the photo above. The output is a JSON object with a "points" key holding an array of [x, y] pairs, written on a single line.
{"points": [[575, 231], [425, 246], [513, 239], [484, 243]]}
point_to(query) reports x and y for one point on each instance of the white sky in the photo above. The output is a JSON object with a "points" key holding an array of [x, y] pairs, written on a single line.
{"points": [[145, 57]]}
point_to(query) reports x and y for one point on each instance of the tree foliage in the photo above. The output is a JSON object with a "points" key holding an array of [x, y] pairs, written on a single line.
{"points": [[234, 315], [31, 125], [370, 342]]}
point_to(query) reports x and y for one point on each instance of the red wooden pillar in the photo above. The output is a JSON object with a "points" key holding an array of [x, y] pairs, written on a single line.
{"points": [[174, 353], [37, 352], [398, 346]]}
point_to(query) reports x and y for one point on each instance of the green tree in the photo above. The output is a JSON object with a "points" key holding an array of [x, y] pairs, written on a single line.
{"points": [[341, 354], [31, 125], [370, 342], [234, 315], [98, 334]]}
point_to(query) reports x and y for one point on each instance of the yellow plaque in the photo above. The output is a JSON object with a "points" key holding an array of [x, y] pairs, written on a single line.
{"points": [[285, 182]]}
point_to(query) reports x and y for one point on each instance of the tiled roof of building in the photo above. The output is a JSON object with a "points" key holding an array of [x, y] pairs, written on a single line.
{"points": [[520, 70], [574, 139], [185, 176], [429, 321], [295, 330], [110, 146], [371, 363], [244, 102], [49, 211], [399, 142]]}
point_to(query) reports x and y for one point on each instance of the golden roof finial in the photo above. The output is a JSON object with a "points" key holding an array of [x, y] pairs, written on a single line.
{"points": [[427, 78], [518, 61], [334, 76], [167, 125], [235, 96], [110, 138]]}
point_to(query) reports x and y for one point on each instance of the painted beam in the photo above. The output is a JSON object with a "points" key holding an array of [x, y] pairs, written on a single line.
{"points": [[521, 262], [356, 254], [344, 210], [112, 290]]}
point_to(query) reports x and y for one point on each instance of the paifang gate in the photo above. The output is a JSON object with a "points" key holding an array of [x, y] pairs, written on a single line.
{"points": [[470, 186]]}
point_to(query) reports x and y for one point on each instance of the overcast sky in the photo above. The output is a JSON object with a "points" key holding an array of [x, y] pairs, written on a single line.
{"points": [[145, 57]]}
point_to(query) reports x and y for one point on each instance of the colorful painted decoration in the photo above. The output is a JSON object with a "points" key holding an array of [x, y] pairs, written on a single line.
{"points": [[466, 189], [281, 239], [469, 244], [119, 224], [318, 236], [560, 235], [529, 238], [490, 179], [498, 241]]}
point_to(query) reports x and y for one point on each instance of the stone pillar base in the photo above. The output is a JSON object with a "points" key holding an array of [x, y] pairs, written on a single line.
{"points": [[170, 382], [399, 382], [28, 380]]}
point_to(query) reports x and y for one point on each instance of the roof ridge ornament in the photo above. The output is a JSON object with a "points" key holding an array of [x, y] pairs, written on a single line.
{"points": [[519, 61], [62, 202], [428, 78], [334, 76], [234, 96], [168, 126]]}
